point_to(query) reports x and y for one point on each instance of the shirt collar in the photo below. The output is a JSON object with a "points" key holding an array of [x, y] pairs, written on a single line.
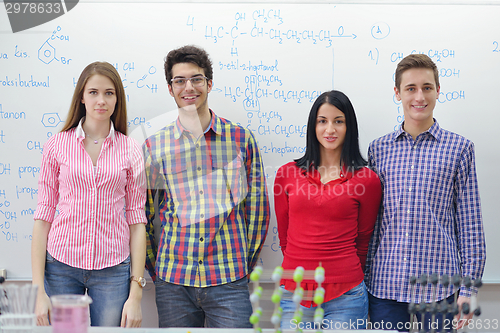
{"points": [[435, 131], [80, 133], [215, 125], [313, 176]]}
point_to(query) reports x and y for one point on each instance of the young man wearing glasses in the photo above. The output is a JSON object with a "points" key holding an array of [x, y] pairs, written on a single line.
{"points": [[207, 175]]}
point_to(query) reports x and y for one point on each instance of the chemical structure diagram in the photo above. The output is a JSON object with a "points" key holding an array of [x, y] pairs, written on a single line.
{"points": [[51, 119], [140, 83], [47, 52]]}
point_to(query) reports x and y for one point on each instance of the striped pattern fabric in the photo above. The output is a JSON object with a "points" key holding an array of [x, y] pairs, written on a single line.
{"points": [[95, 207], [430, 220], [212, 203]]}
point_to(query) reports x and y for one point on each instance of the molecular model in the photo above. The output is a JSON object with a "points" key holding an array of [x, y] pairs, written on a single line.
{"points": [[442, 308], [298, 275]]}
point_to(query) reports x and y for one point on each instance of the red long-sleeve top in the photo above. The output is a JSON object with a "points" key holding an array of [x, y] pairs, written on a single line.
{"points": [[327, 223]]}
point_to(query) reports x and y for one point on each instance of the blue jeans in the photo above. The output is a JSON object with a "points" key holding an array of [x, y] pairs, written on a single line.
{"points": [[388, 314], [108, 288], [224, 306], [348, 311]]}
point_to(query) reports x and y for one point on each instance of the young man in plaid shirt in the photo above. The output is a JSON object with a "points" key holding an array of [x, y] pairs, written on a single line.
{"points": [[430, 220], [207, 175]]}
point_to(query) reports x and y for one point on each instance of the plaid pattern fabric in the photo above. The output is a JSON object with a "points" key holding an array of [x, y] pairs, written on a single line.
{"points": [[430, 220], [212, 203]]}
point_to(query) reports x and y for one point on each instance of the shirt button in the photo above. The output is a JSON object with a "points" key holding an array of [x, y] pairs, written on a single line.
{"points": [[409, 189], [201, 192], [202, 215], [201, 239], [412, 167], [407, 234], [404, 259], [200, 262], [199, 168], [197, 145]]}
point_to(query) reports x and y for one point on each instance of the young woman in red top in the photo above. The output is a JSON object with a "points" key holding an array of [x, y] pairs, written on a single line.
{"points": [[326, 204]]}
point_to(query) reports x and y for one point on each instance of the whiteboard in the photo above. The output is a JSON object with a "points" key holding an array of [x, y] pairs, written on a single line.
{"points": [[270, 62]]}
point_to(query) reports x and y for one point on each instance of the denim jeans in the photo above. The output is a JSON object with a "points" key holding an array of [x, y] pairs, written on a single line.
{"points": [[348, 311], [388, 314], [108, 288], [224, 306]]}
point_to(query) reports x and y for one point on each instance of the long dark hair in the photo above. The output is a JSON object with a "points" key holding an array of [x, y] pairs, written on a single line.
{"points": [[350, 158]]}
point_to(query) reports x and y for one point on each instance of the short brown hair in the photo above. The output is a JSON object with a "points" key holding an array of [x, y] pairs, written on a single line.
{"points": [[77, 108], [415, 61], [190, 54]]}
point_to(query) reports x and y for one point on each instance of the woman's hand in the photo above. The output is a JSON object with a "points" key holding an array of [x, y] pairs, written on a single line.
{"points": [[43, 309], [132, 313]]}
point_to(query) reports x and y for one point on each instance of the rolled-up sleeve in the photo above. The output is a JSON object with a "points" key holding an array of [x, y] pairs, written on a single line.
{"points": [[135, 197], [48, 184]]}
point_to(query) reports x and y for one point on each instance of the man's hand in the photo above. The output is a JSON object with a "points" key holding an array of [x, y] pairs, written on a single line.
{"points": [[462, 319]]}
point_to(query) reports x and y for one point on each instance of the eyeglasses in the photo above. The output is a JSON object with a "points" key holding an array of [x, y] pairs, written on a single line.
{"points": [[196, 81]]}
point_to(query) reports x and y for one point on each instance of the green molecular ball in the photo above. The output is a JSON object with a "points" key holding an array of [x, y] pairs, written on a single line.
{"points": [[254, 319], [318, 299]]}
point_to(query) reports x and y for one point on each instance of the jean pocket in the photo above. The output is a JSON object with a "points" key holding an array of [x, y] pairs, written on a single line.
{"points": [[286, 294], [48, 258], [357, 291], [125, 262], [241, 284], [159, 282]]}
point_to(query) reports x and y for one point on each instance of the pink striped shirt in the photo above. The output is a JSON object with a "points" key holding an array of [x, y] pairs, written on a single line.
{"points": [[95, 207]]}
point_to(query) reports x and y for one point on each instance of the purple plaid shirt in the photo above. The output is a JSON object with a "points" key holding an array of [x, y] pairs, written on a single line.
{"points": [[430, 220]]}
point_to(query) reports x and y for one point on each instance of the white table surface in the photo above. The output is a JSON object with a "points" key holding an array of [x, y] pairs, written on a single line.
{"points": [[193, 330]]}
